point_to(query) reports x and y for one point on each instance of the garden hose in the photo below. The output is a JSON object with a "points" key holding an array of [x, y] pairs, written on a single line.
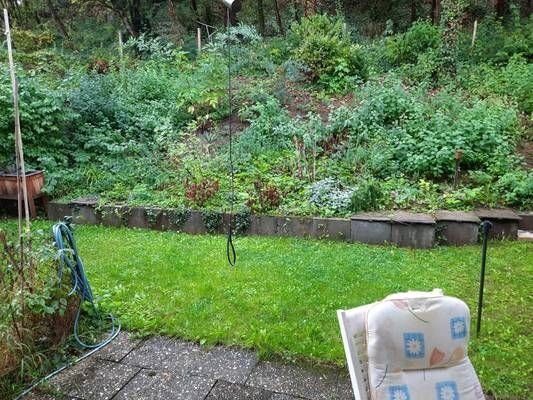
{"points": [[69, 258]]}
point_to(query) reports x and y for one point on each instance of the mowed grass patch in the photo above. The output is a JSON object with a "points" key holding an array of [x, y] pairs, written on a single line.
{"points": [[282, 296]]}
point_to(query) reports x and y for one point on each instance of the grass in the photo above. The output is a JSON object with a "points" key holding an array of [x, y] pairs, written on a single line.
{"points": [[282, 296]]}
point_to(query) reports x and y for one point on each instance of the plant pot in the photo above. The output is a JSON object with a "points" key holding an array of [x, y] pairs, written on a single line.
{"points": [[8, 183], [34, 186]]}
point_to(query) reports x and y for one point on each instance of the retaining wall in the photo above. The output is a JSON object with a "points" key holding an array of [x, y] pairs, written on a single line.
{"points": [[401, 228]]}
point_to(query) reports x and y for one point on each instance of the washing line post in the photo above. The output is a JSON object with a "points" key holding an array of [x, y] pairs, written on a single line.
{"points": [[199, 40], [21, 169]]}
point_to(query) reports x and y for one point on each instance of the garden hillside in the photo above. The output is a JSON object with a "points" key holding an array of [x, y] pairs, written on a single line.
{"points": [[339, 111]]}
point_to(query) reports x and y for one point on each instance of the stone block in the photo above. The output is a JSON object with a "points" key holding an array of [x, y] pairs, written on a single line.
{"points": [[84, 214], [504, 222], [456, 227], [194, 224], [371, 228], [114, 215], [413, 230], [137, 218], [56, 211], [294, 226], [263, 225], [526, 223], [331, 228]]}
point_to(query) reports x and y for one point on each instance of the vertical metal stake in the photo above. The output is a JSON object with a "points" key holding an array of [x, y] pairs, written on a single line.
{"points": [[485, 226]]}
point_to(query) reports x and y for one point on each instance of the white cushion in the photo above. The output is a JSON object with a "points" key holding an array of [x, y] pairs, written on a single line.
{"points": [[417, 343], [453, 383]]}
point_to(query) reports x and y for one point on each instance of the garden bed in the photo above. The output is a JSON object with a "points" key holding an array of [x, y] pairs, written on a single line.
{"points": [[401, 228]]}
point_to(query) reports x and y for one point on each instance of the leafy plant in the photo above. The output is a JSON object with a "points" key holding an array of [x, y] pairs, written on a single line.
{"points": [[200, 193], [212, 220], [178, 216], [324, 47], [406, 48]]}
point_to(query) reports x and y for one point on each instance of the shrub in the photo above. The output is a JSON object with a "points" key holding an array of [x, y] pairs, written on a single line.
{"points": [[513, 81], [330, 196], [367, 196], [406, 48], [201, 192], [322, 45]]}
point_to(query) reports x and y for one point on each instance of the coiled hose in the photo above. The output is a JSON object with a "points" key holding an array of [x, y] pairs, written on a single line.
{"points": [[70, 259]]}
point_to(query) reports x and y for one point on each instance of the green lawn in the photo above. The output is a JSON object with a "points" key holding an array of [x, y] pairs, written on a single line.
{"points": [[282, 296]]}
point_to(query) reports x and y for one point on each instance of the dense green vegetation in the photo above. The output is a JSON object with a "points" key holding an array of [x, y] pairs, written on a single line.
{"points": [[328, 120], [282, 297]]}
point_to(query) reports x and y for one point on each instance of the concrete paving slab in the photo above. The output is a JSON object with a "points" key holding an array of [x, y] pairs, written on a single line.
{"points": [[119, 348], [39, 396], [94, 379], [231, 391], [316, 384], [279, 396], [229, 363], [165, 385], [166, 353]]}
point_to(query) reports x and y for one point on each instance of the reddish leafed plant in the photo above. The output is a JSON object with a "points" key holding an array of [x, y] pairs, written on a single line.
{"points": [[200, 192]]}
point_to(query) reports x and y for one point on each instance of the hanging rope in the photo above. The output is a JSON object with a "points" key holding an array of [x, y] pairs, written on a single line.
{"points": [[230, 248]]}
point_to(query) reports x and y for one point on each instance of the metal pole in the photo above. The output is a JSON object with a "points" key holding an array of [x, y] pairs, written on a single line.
{"points": [[485, 226]]}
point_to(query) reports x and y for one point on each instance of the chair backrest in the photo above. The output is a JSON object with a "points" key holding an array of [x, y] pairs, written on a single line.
{"points": [[410, 346]]}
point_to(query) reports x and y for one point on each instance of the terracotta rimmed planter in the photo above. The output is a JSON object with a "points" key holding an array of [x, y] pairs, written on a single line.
{"points": [[34, 186]]}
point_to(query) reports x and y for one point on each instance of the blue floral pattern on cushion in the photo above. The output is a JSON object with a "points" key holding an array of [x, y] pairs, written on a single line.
{"points": [[447, 390], [414, 345], [399, 392], [458, 327]]}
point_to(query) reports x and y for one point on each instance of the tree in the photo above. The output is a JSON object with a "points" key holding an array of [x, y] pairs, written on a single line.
{"points": [[261, 16], [435, 11]]}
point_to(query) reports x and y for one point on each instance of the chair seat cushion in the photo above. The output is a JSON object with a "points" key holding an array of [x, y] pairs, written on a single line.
{"points": [[458, 382]]}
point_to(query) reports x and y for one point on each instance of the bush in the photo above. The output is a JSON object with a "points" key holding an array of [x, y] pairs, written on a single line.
{"points": [[330, 196], [513, 81], [322, 45], [44, 122], [421, 134], [406, 48]]}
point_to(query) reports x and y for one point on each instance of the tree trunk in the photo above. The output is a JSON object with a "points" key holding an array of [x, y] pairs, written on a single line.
{"points": [[278, 18], [194, 6], [501, 8], [435, 12], [413, 11], [57, 19], [261, 16]]}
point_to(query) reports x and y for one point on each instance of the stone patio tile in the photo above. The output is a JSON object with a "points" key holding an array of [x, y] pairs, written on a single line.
{"points": [[316, 384], [94, 379], [119, 348], [165, 385], [344, 386], [165, 353], [40, 396], [228, 363], [231, 391]]}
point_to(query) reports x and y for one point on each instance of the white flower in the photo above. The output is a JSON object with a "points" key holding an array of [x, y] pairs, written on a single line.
{"points": [[459, 327], [447, 393], [399, 395], [414, 346]]}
